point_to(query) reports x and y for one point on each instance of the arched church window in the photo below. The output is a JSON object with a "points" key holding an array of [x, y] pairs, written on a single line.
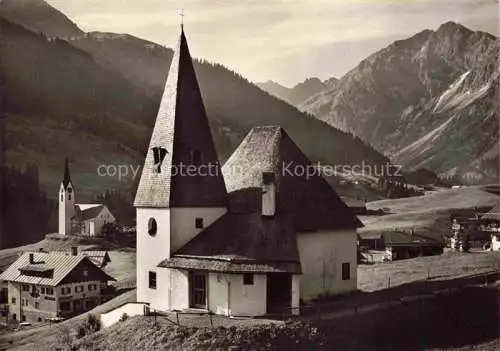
{"points": [[152, 227], [62, 197]]}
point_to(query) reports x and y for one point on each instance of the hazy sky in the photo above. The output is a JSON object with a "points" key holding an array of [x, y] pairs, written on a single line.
{"points": [[283, 40]]}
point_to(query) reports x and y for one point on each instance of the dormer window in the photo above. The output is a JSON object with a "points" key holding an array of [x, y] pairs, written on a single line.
{"points": [[268, 194], [159, 154], [267, 178], [196, 157]]}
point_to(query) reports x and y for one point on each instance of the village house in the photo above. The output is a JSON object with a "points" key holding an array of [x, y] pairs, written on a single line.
{"points": [[469, 231], [256, 236], [491, 222], [80, 219], [400, 244], [45, 285]]}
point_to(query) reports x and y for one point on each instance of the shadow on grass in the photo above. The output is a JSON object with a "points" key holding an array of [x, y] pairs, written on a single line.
{"points": [[460, 319]]}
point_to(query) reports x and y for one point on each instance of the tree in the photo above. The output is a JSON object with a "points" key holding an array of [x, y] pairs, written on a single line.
{"points": [[465, 243], [64, 337]]}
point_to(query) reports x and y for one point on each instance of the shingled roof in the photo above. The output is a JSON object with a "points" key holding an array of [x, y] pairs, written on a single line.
{"points": [[57, 263], [89, 212], [309, 201], [183, 133], [241, 243], [493, 214]]}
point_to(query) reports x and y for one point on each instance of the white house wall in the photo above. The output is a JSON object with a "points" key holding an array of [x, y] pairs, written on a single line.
{"points": [[248, 300], [218, 294], [495, 242], [322, 254], [104, 217], [130, 309], [295, 294], [179, 292]]}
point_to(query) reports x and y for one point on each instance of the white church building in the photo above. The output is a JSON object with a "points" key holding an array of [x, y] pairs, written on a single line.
{"points": [[253, 237], [80, 219]]}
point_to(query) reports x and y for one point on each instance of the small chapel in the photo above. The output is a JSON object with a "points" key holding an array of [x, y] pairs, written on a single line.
{"points": [[248, 238], [80, 219]]}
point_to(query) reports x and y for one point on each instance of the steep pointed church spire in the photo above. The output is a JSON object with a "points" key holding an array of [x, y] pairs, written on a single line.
{"points": [[67, 177], [181, 168]]}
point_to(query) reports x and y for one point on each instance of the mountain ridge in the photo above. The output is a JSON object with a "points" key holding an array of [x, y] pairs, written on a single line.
{"points": [[115, 132], [298, 93], [375, 100], [40, 17]]}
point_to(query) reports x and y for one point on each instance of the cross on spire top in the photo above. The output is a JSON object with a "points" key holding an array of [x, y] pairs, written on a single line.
{"points": [[181, 14]]}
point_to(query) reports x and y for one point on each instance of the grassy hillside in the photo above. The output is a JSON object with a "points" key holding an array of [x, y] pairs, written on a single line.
{"points": [[425, 212], [431, 324]]}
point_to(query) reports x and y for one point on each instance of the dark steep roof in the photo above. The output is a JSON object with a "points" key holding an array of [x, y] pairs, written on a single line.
{"points": [[67, 177], [308, 200], [182, 130], [241, 243]]}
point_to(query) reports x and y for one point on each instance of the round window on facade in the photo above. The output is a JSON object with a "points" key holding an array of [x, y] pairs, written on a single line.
{"points": [[152, 227]]}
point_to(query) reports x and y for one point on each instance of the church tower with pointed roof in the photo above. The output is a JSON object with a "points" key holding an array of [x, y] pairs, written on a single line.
{"points": [[181, 189], [66, 202]]}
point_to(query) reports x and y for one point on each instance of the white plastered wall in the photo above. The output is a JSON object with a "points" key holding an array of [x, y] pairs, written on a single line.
{"points": [[321, 255]]}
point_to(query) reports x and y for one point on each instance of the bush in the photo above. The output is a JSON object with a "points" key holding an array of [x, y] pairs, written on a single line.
{"points": [[124, 317], [92, 324], [81, 332]]}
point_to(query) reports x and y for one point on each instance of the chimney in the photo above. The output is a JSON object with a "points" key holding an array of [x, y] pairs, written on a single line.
{"points": [[74, 250], [32, 257], [268, 194]]}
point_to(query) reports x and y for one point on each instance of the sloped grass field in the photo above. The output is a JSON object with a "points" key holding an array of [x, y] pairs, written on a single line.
{"points": [[423, 211], [448, 322], [446, 266]]}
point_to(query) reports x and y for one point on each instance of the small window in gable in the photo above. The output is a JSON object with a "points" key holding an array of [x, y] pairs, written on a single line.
{"points": [[248, 279], [199, 222], [159, 154], [196, 158]]}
